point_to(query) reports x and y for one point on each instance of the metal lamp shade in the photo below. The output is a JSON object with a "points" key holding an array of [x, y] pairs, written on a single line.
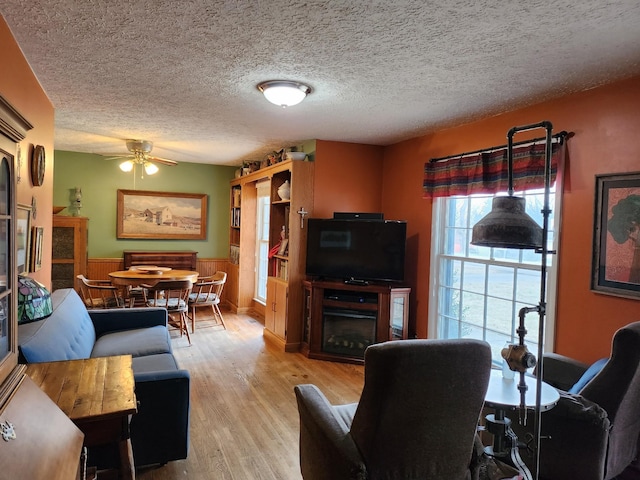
{"points": [[507, 226]]}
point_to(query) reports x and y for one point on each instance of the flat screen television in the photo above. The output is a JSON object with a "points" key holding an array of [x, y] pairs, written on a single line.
{"points": [[356, 250]]}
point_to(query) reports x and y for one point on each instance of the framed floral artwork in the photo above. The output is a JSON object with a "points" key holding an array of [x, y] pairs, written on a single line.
{"points": [[616, 238]]}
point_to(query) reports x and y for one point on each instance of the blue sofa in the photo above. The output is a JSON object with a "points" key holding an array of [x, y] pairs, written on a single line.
{"points": [[160, 429]]}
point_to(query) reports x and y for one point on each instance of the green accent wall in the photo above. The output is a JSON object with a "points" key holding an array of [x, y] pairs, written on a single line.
{"points": [[100, 179]]}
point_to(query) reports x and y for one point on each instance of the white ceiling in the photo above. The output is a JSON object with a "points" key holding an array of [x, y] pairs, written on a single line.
{"points": [[183, 74]]}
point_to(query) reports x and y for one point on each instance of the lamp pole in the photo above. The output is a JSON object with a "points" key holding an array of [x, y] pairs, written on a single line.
{"points": [[544, 251]]}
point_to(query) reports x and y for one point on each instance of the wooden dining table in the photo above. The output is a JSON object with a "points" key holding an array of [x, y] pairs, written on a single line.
{"points": [[136, 277]]}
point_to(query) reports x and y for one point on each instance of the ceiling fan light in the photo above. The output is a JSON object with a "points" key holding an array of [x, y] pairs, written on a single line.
{"points": [[150, 168], [126, 166], [284, 93]]}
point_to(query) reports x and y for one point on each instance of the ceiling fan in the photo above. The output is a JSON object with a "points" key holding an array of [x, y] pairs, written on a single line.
{"points": [[140, 150]]}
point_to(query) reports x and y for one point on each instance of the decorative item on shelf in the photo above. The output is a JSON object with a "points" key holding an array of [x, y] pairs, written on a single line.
{"points": [[57, 210], [236, 197], [283, 247], [76, 201], [275, 157], [296, 155], [284, 190], [253, 166]]}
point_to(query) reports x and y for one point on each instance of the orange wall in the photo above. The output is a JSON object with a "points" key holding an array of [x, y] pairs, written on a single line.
{"points": [[20, 87], [347, 178], [606, 124]]}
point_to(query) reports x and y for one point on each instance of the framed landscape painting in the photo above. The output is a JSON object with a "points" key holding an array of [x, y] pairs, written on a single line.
{"points": [[616, 239], [161, 215]]}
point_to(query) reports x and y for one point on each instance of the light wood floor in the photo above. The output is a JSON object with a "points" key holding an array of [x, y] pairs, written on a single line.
{"points": [[244, 418]]}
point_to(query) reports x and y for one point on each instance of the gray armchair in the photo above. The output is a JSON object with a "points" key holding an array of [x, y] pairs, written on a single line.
{"points": [[593, 434], [416, 418]]}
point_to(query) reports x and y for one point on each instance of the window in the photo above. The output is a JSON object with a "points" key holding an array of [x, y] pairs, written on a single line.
{"points": [[262, 240], [478, 291]]}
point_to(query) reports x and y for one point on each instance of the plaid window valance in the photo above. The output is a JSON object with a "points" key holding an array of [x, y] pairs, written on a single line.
{"points": [[487, 172]]}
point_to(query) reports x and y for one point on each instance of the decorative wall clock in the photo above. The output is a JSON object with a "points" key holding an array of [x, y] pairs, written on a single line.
{"points": [[37, 165]]}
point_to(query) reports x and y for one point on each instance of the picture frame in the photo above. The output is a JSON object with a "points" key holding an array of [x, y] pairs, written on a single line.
{"points": [[23, 237], [37, 238], [161, 215], [616, 235]]}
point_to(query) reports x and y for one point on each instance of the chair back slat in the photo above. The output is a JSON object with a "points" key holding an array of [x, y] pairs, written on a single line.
{"points": [[100, 294]]}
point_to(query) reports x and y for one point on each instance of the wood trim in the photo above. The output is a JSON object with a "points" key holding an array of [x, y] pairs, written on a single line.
{"points": [[13, 125]]}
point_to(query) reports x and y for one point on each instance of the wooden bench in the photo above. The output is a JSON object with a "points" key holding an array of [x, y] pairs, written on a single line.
{"points": [[177, 260]]}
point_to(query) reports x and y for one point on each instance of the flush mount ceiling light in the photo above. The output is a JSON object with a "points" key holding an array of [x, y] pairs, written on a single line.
{"points": [[284, 93]]}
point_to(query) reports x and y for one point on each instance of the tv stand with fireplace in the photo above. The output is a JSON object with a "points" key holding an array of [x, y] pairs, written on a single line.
{"points": [[342, 319]]}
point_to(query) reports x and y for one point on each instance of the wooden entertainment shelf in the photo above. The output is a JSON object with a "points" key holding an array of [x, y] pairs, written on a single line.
{"points": [[341, 320]]}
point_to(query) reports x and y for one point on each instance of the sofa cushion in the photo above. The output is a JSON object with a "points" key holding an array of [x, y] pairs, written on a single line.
{"points": [[67, 334], [137, 342], [164, 362]]}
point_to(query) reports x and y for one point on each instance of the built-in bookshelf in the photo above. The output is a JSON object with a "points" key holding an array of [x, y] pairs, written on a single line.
{"points": [[287, 246], [234, 230]]}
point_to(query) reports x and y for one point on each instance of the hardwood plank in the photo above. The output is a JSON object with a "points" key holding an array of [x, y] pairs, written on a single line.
{"points": [[244, 417], [89, 398]]}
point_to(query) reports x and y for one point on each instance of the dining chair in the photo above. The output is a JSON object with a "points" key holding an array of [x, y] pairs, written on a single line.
{"points": [[100, 293], [174, 296], [206, 292], [136, 296]]}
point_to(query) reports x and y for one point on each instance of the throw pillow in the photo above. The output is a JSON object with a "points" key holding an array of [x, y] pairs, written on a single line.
{"points": [[34, 300], [591, 372]]}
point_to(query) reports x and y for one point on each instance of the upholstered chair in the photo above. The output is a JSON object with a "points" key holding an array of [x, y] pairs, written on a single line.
{"points": [[416, 418], [592, 433]]}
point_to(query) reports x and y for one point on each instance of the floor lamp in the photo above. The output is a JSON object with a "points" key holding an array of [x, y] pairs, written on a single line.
{"points": [[509, 226]]}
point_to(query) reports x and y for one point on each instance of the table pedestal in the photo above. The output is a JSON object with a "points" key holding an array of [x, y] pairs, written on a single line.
{"points": [[505, 442], [503, 395]]}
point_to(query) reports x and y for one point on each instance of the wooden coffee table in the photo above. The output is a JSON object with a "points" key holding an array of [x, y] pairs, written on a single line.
{"points": [[97, 394]]}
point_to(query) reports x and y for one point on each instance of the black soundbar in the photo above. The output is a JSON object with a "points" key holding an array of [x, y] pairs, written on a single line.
{"points": [[358, 215]]}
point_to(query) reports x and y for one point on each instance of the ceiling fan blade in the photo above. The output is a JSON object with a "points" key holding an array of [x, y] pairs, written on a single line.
{"points": [[115, 156], [163, 161]]}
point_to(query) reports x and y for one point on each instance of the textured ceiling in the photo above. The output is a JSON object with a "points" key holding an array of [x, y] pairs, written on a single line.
{"points": [[183, 74]]}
